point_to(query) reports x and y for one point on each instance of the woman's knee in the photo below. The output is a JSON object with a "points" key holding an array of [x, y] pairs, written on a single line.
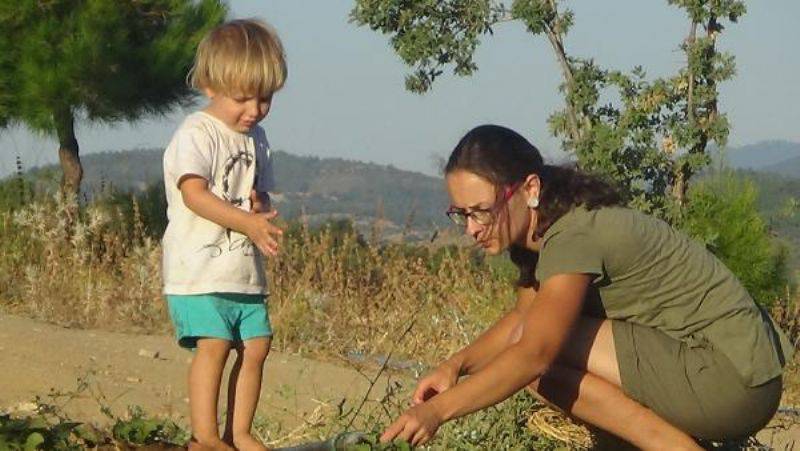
{"points": [[558, 387], [533, 389]]}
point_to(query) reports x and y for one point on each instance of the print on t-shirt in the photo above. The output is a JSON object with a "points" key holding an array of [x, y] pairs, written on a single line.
{"points": [[232, 240]]}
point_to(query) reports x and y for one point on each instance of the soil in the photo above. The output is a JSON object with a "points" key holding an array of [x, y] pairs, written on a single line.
{"points": [[120, 369]]}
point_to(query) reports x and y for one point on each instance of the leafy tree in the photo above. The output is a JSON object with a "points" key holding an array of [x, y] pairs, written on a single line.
{"points": [[102, 60], [651, 142]]}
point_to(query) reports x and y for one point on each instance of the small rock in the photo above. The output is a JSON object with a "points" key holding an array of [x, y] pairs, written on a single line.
{"points": [[134, 379], [186, 400], [25, 407], [149, 354]]}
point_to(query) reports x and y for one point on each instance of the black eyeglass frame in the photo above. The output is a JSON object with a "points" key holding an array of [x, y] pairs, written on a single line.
{"points": [[481, 216]]}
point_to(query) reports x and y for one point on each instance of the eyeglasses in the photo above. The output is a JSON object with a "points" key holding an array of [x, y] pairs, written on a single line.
{"points": [[481, 216]]}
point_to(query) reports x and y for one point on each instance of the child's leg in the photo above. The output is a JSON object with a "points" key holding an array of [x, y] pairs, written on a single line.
{"points": [[205, 374], [244, 389]]}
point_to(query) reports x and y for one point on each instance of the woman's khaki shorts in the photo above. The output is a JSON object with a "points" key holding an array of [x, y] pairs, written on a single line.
{"points": [[692, 386]]}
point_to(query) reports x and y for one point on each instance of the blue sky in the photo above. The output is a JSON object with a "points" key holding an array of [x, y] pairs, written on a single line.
{"points": [[345, 95]]}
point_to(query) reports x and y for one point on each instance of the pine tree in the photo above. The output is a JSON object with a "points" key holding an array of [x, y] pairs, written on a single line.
{"points": [[97, 60]]}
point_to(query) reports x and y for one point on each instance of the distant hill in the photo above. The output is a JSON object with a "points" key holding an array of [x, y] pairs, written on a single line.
{"points": [[334, 188], [788, 168], [320, 187], [761, 155]]}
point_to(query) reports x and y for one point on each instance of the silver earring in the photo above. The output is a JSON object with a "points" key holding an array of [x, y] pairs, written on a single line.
{"points": [[533, 202]]}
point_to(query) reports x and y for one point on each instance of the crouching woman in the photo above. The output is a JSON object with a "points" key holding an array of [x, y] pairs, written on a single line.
{"points": [[621, 321]]}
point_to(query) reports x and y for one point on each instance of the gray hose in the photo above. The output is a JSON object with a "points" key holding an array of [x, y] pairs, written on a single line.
{"points": [[337, 443]]}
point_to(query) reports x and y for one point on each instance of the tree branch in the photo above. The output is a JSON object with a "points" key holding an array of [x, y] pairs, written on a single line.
{"points": [[690, 40], [561, 55]]}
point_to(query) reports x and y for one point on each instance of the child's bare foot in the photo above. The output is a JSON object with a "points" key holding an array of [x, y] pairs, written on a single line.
{"points": [[247, 442], [209, 445]]}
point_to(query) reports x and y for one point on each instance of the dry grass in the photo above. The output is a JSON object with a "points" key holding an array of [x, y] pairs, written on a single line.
{"points": [[332, 293], [87, 268], [786, 311]]}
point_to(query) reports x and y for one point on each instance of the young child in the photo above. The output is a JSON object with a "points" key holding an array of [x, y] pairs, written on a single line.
{"points": [[217, 172]]}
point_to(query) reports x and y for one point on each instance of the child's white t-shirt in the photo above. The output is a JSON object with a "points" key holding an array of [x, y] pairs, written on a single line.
{"points": [[200, 256]]}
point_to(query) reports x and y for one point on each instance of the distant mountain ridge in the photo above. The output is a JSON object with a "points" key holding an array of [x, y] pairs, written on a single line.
{"points": [[323, 188], [788, 168], [766, 156], [319, 187]]}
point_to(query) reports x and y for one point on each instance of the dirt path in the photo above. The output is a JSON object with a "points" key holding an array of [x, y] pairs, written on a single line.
{"points": [[122, 369]]}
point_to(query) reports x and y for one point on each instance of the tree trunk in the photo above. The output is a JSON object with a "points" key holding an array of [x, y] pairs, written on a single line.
{"points": [[72, 171], [681, 186]]}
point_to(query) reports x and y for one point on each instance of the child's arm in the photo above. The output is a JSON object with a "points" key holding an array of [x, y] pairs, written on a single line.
{"points": [[204, 203]]}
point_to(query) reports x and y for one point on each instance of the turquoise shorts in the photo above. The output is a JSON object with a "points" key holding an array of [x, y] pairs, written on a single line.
{"points": [[234, 317]]}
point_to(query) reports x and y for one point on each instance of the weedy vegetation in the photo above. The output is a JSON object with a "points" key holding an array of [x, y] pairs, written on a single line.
{"points": [[337, 295]]}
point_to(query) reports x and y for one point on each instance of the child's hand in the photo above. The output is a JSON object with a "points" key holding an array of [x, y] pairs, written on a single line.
{"points": [[259, 202], [264, 234]]}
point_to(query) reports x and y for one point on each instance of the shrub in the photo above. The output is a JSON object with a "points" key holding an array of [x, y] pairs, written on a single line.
{"points": [[722, 213]]}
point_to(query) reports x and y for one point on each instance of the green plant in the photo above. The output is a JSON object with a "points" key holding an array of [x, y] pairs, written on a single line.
{"points": [[140, 429], [46, 427], [371, 442], [504, 426], [32, 433], [723, 215]]}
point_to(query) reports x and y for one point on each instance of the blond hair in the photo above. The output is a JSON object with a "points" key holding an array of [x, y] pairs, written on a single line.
{"points": [[240, 57]]}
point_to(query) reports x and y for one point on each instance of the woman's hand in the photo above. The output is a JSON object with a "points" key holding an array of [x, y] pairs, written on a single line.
{"points": [[442, 378], [419, 423], [416, 426]]}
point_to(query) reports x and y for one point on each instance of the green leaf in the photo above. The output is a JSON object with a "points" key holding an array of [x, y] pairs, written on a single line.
{"points": [[34, 441]]}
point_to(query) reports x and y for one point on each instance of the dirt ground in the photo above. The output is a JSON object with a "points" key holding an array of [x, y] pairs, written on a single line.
{"points": [[150, 371]]}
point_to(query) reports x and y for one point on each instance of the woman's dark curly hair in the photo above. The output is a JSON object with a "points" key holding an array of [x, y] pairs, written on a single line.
{"points": [[504, 158]]}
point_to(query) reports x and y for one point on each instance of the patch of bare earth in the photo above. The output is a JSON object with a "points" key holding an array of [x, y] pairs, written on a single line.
{"points": [[121, 369], [150, 371]]}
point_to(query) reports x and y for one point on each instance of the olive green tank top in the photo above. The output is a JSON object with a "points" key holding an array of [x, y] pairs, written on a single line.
{"points": [[648, 273]]}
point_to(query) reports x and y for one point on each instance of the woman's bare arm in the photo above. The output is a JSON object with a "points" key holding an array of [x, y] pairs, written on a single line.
{"points": [[494, 340]]}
